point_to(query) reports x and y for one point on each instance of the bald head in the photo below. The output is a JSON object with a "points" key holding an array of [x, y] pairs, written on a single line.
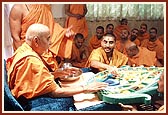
{"points": [[130, 44], [38, 36], [131, 49], [36, 30]]}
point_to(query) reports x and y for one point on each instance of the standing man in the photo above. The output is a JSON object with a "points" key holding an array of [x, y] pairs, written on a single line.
{"points": [[76, 18], [23, 15]]}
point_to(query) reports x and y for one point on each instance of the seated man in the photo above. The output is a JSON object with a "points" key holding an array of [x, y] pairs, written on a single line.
{"points": [[143, 34], [109, 28], [133, 36], [95, 40], [138, 56], [80, 52], [30, 78], [120, 44], [123, 25], [154, 44], [106, 57]]}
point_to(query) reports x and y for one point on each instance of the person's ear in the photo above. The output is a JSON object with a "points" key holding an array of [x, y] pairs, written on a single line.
{"points": [[36, 41]]}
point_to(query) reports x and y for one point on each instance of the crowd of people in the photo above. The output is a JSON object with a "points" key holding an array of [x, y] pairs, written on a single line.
{"points": [[40, 45]]}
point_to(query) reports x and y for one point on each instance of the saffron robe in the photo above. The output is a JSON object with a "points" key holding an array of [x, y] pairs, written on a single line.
{"points": [[28, 76], [118, 29], [156, 46], [79, 25], [121, 46], [161, 38], [118, 59], [143, 37], [94, 43], [145, 57]]}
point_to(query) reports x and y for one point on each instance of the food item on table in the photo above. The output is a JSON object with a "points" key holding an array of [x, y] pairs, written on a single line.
{"points": [[136, 83], [74, 74]]}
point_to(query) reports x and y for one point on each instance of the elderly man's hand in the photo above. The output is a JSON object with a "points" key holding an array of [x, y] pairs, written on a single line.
{"points": [[67, 72], [94, 87], [60, 73]]}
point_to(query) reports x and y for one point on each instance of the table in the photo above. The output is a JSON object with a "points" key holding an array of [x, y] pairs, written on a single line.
{"points": [[83, 100]]}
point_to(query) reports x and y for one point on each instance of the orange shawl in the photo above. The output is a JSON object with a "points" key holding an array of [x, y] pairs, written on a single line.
{"points": [[28, 76], [136, 41], [156, 46], [121, 46], [117, 30], [79, 25], [61, 46], [94, 43], [118, 59], [161, 38], [144, 57], [143, 37]]}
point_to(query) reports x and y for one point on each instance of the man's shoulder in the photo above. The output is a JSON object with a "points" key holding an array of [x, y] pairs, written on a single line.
{"points": [[18, 6], [147, 51], [17, 10], [33, 60], [25, 52], [97, 51], [93, 37], [159, 43]]}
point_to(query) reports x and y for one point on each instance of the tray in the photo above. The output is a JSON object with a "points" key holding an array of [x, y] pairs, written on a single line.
{"points": [[136, 85]]}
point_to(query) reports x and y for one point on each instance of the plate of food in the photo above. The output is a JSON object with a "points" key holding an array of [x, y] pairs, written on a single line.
{"points": [[73, 74]]}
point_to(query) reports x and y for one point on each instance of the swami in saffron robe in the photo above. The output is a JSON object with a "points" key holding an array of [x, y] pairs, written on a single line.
{"points": [[156, 46], [27, 75], [118, 29], [118, 59], [79, 56], [145, 57]]}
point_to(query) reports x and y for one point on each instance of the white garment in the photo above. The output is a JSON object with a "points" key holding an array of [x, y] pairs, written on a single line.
{"points": [[7, 39]]}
